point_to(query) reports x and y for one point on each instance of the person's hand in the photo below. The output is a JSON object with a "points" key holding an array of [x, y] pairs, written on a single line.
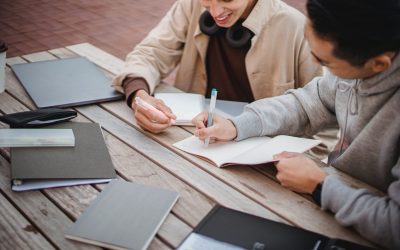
{"points": [[298, 172], [149, 120], [222, 128]]}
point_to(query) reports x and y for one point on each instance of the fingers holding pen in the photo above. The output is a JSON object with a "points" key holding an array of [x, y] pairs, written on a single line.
{"points": [[148, 124], [200, 120], [160, 105], [152, 114], [222, 128], [155, 116]]}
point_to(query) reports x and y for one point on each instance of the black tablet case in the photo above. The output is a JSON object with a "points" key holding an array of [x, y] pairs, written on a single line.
{"points": [[253, 232]]}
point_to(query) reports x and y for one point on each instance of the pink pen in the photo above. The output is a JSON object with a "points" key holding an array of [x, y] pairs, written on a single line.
{"points": [[141, 103]]}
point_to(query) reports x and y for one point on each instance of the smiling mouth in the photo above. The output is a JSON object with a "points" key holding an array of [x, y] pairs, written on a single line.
{"points": [[222, 19]]}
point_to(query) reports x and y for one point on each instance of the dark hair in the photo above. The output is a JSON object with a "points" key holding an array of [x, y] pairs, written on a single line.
{"points": [[359, 29]]}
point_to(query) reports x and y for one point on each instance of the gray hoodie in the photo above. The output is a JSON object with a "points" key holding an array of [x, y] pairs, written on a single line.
{"points": [[368, 114]]}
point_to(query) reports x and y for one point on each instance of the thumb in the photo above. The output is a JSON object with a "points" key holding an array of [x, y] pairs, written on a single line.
{"points": [[209, 131], [285, 155]]}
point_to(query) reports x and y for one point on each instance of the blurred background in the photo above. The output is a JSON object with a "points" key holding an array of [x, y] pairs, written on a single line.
{"points": [[115, 26]]}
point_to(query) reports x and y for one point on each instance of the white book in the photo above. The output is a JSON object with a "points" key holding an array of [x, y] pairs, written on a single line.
{"points": [[184, 105], [18, 137], [187, 105], [26, 185], [252, 151]]}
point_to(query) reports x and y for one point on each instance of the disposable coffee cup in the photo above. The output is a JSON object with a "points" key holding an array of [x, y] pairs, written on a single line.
{"points": [[3, 50]]}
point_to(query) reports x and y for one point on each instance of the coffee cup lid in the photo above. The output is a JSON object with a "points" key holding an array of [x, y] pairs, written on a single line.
{"points": [[3, 46]]}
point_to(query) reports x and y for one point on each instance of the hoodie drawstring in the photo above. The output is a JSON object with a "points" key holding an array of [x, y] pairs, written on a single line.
{"points": [[352, 108]]}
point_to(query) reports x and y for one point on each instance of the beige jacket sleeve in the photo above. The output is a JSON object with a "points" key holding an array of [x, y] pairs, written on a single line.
{"points": [[159, 53]]}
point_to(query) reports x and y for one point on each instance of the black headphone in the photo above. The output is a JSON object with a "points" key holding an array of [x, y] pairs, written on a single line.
{"points": [[237, 35]]}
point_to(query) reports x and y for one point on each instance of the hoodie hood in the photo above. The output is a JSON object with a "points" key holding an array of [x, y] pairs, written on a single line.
{"points": [[383, 81]]}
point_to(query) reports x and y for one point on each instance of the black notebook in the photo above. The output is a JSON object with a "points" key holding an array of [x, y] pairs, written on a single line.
{"points": [[44, 167], [65, 82], [225, 228]]}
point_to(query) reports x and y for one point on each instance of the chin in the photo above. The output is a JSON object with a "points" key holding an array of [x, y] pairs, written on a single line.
{"points": [[224, 25], [228, 24]]}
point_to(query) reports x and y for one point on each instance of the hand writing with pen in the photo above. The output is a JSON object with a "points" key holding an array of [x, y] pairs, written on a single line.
{"points": [[296, 171]]}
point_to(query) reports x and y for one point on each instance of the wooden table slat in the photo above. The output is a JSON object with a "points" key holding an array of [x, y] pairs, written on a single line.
{"points": [[148, 159], [16, 231], [42, 212], [75, 199]]}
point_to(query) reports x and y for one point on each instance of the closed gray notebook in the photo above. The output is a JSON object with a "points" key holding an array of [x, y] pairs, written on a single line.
{"points": [[230, 108], [124, 215], [88, 160], [65, 82]]}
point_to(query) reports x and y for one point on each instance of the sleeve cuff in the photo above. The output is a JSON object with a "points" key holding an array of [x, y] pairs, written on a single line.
{"points": [[131, 85], [334, 194], [248, 124]]}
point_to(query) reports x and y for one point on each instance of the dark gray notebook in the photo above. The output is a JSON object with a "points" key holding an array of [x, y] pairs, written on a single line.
{"points": [[65, 82], [123, 216], [43, 167]]}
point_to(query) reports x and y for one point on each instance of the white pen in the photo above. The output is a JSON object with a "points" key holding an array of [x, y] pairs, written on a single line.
{"points": [[141, 103], [316, 246], [210, 112]]}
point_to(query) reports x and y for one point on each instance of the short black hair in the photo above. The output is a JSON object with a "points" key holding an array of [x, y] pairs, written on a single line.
{"points": [[359, 29]]}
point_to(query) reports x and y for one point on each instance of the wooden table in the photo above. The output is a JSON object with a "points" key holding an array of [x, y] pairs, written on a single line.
{"points": [[37, 219]]}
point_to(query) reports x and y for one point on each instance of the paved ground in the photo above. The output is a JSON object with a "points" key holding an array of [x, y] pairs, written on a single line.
{"points": [[115, 26]]}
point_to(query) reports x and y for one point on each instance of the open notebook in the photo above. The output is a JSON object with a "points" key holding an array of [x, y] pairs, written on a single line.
{"points": [[187, 105], [252, 151], [184, 105]]}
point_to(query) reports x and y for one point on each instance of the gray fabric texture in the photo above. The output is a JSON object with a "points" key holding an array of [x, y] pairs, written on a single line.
{"points": [[368, 114]]}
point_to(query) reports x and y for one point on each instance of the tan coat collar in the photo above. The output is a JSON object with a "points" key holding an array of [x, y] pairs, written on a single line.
{"points": [[262, 12]]}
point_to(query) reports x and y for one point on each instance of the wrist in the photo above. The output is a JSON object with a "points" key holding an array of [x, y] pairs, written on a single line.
{"points": [[232, 131], [140, 93], [131, 87]]}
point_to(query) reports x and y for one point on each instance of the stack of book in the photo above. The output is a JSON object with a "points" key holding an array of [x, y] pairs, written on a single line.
{"points": [[61, 155]]}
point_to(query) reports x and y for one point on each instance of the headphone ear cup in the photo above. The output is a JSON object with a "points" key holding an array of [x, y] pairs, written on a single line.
{"points": [[238, 36], [207, 24]]}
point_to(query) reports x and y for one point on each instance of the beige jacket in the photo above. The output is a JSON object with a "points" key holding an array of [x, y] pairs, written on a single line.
{"points": [[279, 57]]}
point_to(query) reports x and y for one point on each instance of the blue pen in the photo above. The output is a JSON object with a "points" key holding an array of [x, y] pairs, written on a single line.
{"points": [[210, 112]]}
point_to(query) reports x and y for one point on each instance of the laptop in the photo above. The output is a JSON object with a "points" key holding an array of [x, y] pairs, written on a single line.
{"points": [[65, 83]]}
